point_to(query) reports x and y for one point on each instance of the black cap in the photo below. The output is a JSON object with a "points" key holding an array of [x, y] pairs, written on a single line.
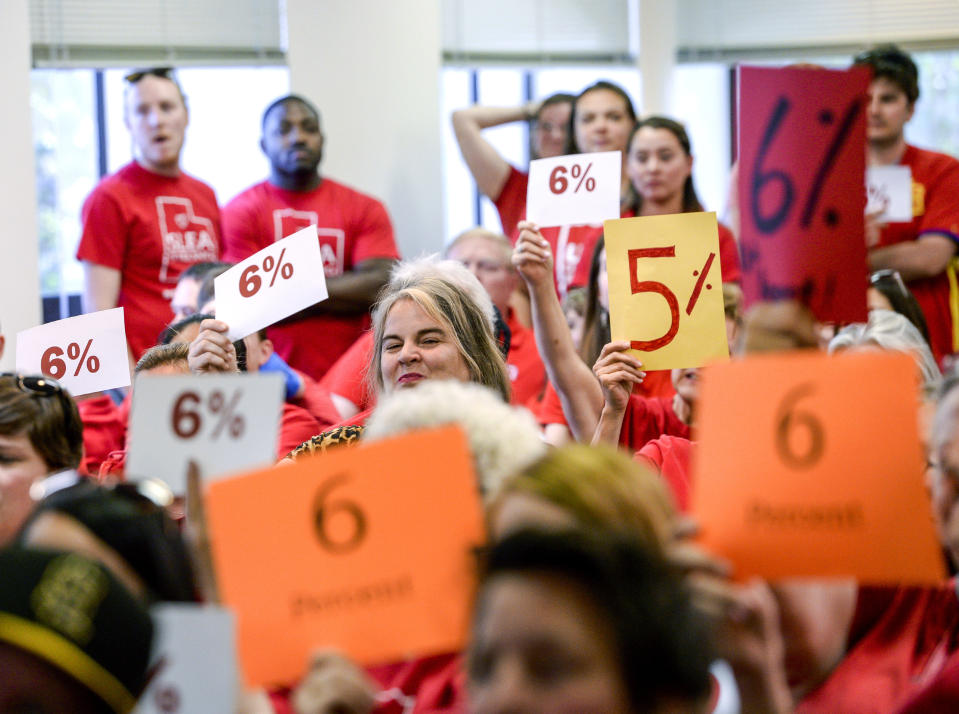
{"points": [[72, 613]]}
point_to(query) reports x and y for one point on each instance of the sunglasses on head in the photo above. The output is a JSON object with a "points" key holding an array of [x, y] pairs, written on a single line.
{"points": [[888, 275], [35, 383], [137, 75]]}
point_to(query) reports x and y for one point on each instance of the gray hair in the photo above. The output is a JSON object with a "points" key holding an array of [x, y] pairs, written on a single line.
{"points": [[892, 331], [503, 439]]}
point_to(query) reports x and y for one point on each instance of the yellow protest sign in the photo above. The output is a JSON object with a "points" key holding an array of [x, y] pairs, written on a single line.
{"points": [[665, 288]]}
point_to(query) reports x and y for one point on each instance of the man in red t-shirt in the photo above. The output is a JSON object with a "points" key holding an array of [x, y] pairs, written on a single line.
{"points": [[922, 250], [356, 237], [149, 221]]}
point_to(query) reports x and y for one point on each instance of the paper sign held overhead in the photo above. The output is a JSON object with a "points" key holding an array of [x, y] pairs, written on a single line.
{"points": [[86, 353], [225, 423], [802, 136], [889, 189], [666, 289], [349, 540], [194, 655], [574, 189], [272, 284], [815, 469]]}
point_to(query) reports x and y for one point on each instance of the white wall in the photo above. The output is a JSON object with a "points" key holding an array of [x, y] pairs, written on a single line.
{"points": [[372, 68], [19, 281]]}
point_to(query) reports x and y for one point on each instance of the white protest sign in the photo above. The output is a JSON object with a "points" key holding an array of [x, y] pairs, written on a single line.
{"points": [[272, 284], [889, 186], [574, 189], [87, 353], [195, 651], [225, 423]]}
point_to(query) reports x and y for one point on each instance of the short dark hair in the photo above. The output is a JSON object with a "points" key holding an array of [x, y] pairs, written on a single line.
{"points": [[286, 100], [175, 328], [663, 644], [198, 270], [50, 419], [889, 62], [553, 99], [138, 529], [160, 355], [571, 146], [207, 289]]}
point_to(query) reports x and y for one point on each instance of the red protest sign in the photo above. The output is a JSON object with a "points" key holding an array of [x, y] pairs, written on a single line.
{"points": [[802, 160]]}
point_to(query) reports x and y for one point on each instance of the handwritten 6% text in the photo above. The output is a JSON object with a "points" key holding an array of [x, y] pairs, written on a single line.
{"points": [[251, 282], [51, 364], [188, 414]]}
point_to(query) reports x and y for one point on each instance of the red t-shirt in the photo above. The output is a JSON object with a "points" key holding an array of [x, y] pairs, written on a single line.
{"points": [[352, 227], [658, 383], [296, 426], [511, 202], [104, 431], [935, 202], [316, 400], [347, 376], [670, 456], [150, 228], [902, 653]]}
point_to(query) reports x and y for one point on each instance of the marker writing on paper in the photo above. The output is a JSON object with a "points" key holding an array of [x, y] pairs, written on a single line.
{"points": [[836, 516], [382, 592]]}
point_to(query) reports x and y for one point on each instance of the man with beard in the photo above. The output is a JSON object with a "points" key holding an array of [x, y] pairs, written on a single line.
{"points": [[355, 234]]}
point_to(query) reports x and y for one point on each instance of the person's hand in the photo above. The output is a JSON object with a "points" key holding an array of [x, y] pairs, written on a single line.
{"points": [[618, 371], [212, 350], [334, 685], [532, 256], [874, 226]]}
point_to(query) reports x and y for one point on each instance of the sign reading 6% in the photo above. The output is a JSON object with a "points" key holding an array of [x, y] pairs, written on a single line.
{"points": [[51, 364], [251, 282], [190, 411]]}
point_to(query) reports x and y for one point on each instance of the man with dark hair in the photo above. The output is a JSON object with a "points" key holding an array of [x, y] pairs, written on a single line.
{"points": [[356, 238], [921, 250], [186, 297], [145, 224]]}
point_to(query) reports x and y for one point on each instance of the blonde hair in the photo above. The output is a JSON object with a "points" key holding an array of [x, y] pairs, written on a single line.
{"points": [[601, 488], [461, 318]]}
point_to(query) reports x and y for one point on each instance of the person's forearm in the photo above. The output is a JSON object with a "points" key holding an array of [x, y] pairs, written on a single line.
{"points": [[609, 427], [578, 390], [923, 258], [352, 293], [486, 117]]}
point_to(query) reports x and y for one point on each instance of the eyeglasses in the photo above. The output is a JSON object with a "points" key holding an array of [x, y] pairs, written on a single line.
{"points": [[888, 275], [137, 75], [35, 383]]}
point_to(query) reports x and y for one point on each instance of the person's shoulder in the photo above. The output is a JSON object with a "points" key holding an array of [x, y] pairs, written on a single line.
{"points": [[253, 194], [119, 181], [934, 161], [195, 184], [343, 191]]}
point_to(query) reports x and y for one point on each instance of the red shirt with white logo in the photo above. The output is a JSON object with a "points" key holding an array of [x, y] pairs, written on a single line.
{"points": [[151, 228], [352, 227]]}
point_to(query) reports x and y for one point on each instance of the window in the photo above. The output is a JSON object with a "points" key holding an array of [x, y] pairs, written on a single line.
{"points": [[79, 134]]}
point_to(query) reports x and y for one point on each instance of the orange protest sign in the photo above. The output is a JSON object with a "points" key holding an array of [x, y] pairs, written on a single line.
{"points": [[365, 549], [665, 288], [810, 465]]}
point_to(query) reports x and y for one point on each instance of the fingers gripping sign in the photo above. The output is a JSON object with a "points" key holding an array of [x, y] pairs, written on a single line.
{"points": [[665, 288]]}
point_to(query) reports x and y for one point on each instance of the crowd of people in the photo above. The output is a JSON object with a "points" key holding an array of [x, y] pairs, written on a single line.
{"points": [[591, 592]]}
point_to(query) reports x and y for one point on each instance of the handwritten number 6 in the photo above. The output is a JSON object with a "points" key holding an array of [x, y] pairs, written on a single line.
{"points": [[788, 419], [324, 510], [771, 223]]}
